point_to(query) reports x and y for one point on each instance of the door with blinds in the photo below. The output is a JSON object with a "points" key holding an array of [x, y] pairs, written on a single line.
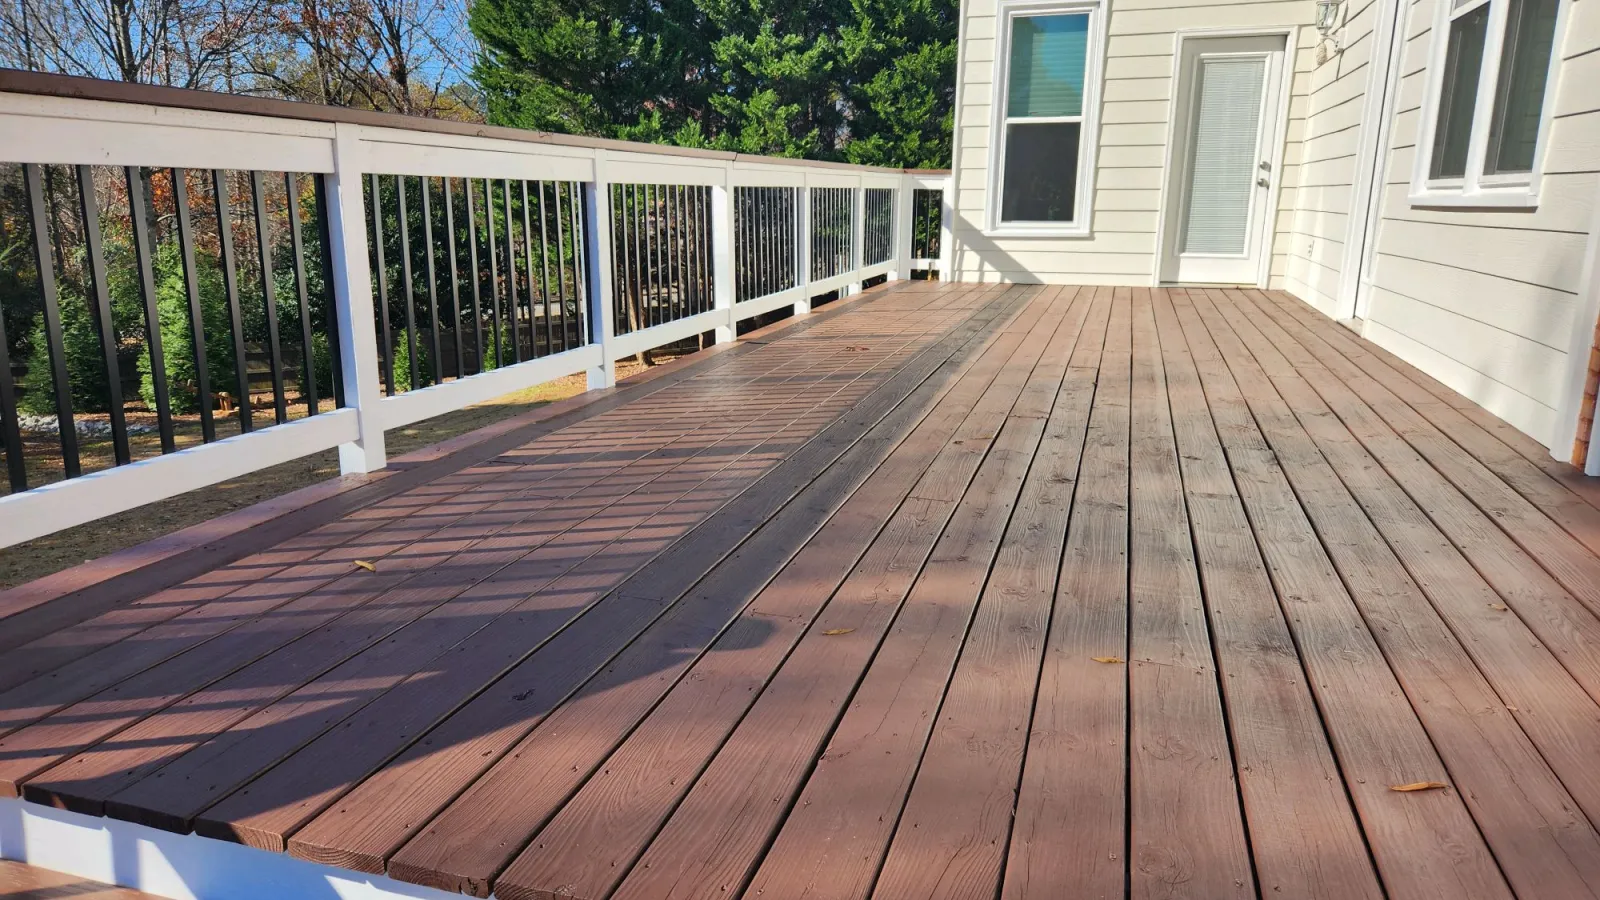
{"points": [[1218, 218]]}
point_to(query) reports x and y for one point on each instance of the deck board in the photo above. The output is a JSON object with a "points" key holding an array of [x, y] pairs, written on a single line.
{"points": [[950, 591]]}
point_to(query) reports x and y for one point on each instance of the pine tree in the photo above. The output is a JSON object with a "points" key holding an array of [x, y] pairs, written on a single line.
{"points": [[870, 81]]}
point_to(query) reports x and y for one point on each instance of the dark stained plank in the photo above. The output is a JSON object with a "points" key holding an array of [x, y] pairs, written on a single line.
{"points": [[1070, 833], [623, 804], [451, 560], [951, 837], [717, 834], [1425, 843], [546, 539], [1543, 843], [556, 465], [843, 819], [473, 735], [37, 609], [547, 767], [1186, 827], [1304, 837]]}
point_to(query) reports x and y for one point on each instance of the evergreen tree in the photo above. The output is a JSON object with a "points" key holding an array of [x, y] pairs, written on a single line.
{"points": [[870, 81]]}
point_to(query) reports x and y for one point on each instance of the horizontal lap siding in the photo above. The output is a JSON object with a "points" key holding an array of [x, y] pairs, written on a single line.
{"points": [[1485, 301], [1328, 162], [1137, 104]]}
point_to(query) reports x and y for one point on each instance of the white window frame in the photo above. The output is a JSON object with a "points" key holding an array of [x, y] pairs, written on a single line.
{"points": [[1089, 121], [1519, 190]]}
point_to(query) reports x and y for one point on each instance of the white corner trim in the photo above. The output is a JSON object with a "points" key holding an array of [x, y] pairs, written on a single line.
{"points": [[180, 866], [1584, 320]]}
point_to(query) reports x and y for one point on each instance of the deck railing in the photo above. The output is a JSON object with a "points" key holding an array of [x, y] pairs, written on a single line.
{"points": [[211, 285]]}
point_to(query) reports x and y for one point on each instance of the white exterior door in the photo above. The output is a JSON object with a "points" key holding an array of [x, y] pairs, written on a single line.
{"points": [[1218, 216]]}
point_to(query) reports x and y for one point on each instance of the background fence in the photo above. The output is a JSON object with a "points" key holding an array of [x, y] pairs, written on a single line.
{"points": [[195, 286]]}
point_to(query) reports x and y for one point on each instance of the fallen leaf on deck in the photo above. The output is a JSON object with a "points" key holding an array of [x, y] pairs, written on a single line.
{"points": [[363, 564], [1419, 786], [1108, 659], [1500, 606], [833, 631]]}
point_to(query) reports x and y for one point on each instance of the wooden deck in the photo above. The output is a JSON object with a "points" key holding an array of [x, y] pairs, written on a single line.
{"points": [[949, 591]]}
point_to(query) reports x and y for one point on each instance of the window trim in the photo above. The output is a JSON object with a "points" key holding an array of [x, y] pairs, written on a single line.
{"points": [[1089, 120], [1476, 189]]}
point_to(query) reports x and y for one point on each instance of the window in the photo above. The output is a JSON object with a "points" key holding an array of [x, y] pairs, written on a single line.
{"points": [[1044, 121], [1487, 109]]}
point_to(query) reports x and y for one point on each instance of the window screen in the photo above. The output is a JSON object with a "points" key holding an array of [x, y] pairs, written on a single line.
{"points": [[1041, 138]]}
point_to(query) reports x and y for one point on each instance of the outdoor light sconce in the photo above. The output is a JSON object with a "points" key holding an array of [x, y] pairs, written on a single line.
{"points": [[1328, 14]]}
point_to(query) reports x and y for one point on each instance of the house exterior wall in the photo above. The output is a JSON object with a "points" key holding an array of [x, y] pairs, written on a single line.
{"points": [[1137, 103], [1486, 301], [1497, 304]]}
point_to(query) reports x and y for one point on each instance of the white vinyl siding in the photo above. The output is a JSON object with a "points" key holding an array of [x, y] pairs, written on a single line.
{"points": [[1135, 106]]}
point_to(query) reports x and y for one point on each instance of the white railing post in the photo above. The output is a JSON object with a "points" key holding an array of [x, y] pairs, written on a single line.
{"points": [[947, 244], [597, 238], [722, 271], [858, 236], [802, 214], [352, 297], [900, 228]]}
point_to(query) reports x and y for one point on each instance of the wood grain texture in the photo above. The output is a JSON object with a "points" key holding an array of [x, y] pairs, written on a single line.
{"points": [[1305, 839], [657, 761], [1186, 825], [1544, 844], [1375, 732], [1070, 834]]}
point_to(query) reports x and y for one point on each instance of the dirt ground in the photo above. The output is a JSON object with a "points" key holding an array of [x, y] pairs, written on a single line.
{"points": [[62, 550]]}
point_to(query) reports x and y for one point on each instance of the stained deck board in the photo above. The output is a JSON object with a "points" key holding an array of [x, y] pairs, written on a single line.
{"points": [[540, 542], [1539, 836], [815, 616], [1304, 836], [1185, 823], [22, 882], [443, 564], [641, 778]]}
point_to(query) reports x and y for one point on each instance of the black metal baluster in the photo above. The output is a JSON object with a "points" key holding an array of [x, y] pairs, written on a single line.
{"points": [[511, 275], [106, 325], [580, 257], [143, 252], [308, 356], [197, 321], [408, 286], [639, 245], [330, 308], [386, 345], [431, 273], [269, 300], [669, 244], [544, 286], [544, 269], [455, 279], [44, 259], [477, 274], [494, 275], [10, 428], [619, 257]]}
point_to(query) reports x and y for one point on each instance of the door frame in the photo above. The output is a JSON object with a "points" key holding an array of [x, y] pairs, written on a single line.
{"points": [[1169, 189], [1373, 139]]}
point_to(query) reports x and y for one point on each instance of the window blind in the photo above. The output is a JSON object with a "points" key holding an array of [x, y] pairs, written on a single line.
{"points": [[1222, 169], [1048, 60]]}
